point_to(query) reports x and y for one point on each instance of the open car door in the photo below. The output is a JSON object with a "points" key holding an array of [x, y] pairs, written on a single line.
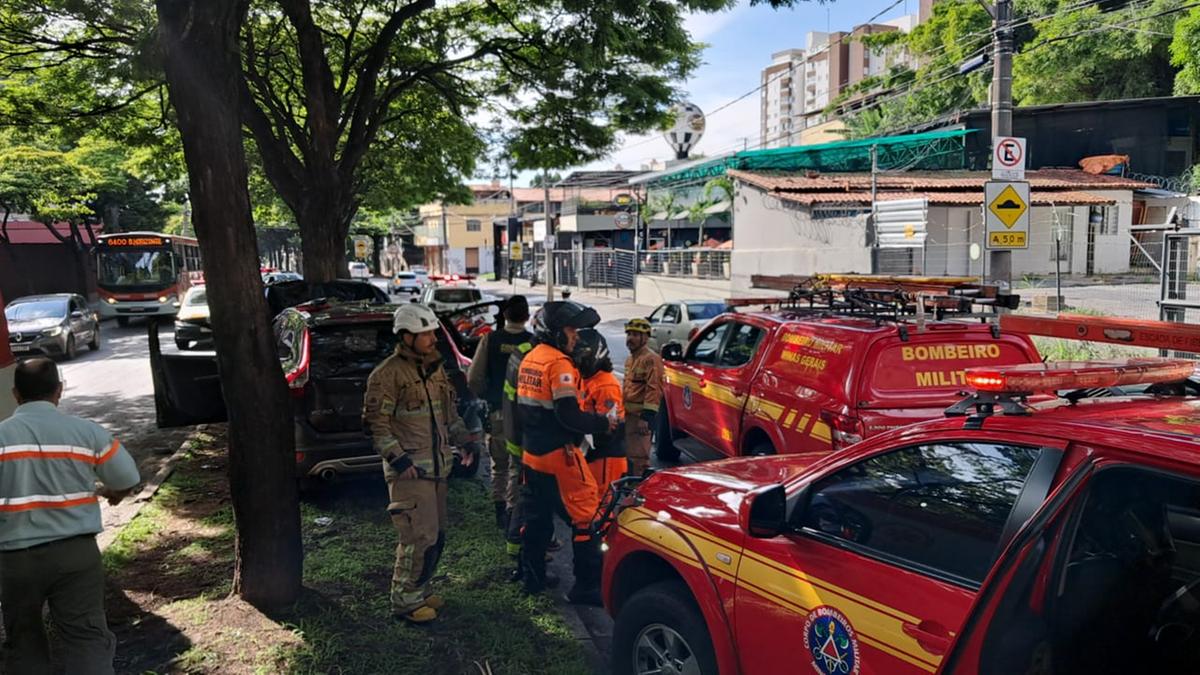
{"points": [[468, 324], [187, 387]]}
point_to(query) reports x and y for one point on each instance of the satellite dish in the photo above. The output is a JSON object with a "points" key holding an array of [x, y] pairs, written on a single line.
{"points": [[686, 130]]}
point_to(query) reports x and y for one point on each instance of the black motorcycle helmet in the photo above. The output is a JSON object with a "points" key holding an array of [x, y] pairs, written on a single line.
{"points": [[590, 350], [556, 316]]}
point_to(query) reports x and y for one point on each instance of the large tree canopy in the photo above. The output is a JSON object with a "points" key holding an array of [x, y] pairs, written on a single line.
{"points": [[377, 102]]}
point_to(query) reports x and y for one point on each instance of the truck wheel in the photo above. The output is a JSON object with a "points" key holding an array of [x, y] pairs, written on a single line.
{"points": [[664, 439], [761, 448], [660, 630]]}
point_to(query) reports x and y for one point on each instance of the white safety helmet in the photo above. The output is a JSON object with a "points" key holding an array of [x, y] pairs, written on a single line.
{"points": [[414, 318]]}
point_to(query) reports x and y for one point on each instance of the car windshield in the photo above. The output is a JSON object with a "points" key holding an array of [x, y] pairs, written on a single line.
{"points": [[457, 295], [136, 268], [196, 297], [406, 275], [36, 309], [351, 349], [702, 311]]}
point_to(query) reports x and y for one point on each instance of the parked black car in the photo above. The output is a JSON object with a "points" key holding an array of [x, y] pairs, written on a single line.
{"points": [[53, 325], [326, 352]]}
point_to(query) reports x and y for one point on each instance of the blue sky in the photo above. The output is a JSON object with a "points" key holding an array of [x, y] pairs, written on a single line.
{"points": [[741, 42]]}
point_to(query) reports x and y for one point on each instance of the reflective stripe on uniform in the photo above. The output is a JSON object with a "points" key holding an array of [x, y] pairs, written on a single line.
{"points": [[75, 452], [31, 502], [536, 402]]}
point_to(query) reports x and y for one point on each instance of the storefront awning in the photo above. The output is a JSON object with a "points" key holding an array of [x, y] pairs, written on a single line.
{"points": [[719, 207], [679, 215], [661, 215]]}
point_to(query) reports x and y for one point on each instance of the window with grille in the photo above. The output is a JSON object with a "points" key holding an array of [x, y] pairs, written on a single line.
{"points": [[474, 225]]}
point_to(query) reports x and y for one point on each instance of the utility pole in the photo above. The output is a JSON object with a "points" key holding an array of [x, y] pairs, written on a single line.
{"points": [[1002, 111], [445, 247], [872, 232], [549, 237]]}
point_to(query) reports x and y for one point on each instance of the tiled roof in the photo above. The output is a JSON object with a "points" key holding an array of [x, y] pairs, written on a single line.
{"points": [[1039, 198], [1045, 179]]}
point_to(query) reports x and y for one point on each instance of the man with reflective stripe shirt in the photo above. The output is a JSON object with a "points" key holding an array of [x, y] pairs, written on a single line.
{"points": [[50, 463]]}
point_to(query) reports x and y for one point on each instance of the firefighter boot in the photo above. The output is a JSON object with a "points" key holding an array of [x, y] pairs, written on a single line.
{"points": [[420, 615], [586, 590]]}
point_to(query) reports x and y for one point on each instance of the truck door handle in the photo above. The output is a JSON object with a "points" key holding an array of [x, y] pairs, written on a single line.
{"points": [[931, 635]]}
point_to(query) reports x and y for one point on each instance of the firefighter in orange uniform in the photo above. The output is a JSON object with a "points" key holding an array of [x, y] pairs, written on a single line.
{"points": [[601, 395], [643, 392], [556, 477]]}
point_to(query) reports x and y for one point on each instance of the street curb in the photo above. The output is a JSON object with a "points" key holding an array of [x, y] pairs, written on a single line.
{"points": [[581, 634], [143, 497]]}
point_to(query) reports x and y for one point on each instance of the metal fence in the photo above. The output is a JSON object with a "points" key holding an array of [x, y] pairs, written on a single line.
{"points": [[610, 270], [531, 266], [695, 263]]}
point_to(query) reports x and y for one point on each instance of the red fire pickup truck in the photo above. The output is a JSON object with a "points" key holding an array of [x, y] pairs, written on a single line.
{"points": [[1049, 524], [842, 359]]}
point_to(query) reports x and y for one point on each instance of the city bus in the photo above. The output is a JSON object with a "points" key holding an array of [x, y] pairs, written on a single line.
{"points": [[7, 365], [144, 273]]}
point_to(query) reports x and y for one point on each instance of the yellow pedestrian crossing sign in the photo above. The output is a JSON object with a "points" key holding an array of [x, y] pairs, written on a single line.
{"points": [[1007, 214]]}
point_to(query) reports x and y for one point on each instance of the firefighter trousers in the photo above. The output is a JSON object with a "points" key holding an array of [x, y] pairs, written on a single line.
{"points": [[559, 483], [418, 510], [506, 482], [516, 518], [637, 447]]}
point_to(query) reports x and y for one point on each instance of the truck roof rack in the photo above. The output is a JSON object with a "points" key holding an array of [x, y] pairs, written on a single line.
{"points": [[882, 297]]}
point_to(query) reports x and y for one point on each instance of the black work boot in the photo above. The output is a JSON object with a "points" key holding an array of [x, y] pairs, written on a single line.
{"points": [[586, 590], [501, 515]]}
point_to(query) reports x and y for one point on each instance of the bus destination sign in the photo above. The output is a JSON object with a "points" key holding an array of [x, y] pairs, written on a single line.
{"points": [[138, 241]]}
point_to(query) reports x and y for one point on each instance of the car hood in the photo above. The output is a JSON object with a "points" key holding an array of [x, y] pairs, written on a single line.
{"points": [[33, 324], [714, 491]]}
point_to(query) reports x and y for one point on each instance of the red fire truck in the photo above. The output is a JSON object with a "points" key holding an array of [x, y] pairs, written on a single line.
{"points": [[841, 358], [1050, 523]]}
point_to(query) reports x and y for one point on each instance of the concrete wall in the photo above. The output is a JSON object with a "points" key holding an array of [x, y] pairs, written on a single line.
{"points": [[652, 290], [773, 237], [585, 223]]}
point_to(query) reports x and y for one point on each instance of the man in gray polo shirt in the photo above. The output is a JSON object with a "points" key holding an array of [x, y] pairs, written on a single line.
{"points": [[50, 464]]}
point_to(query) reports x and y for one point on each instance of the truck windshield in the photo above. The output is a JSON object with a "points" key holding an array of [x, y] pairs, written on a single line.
{"points": [[137, 268]]}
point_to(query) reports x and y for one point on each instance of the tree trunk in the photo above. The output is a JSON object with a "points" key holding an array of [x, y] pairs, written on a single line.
{"points": [[200, 41], [323, 243]]}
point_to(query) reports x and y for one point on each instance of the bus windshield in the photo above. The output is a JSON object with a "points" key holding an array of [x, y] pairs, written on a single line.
{"points": [[137, 268]]}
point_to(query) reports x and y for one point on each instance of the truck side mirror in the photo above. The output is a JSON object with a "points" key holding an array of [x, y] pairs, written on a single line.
{"points": [[763, 514], [672, 351]]}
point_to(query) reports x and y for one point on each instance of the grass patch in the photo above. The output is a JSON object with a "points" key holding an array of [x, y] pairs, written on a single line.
{"points": [[1058, 349], [170, 574]]}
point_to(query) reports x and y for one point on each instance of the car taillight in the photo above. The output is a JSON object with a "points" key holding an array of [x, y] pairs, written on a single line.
{"points": [[844, 430], [298, 376], [299, 457]]}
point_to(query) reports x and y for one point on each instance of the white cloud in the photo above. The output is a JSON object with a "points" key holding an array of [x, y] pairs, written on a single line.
{"points": [[702, 25]]}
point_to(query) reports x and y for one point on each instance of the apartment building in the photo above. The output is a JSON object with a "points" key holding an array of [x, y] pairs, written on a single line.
{"points": [[800, 84]]}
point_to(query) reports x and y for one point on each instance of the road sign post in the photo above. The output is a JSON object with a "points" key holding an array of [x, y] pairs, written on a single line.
{"points": [[1006, 215], [1008, 158]]}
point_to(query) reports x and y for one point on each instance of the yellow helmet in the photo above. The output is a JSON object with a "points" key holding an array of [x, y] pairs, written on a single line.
{"points": [[638, 325]]}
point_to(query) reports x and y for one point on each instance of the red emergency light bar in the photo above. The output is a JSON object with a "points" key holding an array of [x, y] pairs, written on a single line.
{"points": [[1032, 378], [1133, 332]]}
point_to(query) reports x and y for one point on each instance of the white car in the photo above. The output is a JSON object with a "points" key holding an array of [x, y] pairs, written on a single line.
{"points": [[678, 322], [407, 282], [359, 270], [276, 277], [451, 297]]}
